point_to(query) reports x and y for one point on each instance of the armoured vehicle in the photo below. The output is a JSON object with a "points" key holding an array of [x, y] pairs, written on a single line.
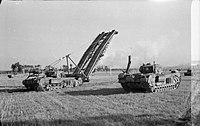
{"points": [[54, 79], [150, 78], [188, 73]]}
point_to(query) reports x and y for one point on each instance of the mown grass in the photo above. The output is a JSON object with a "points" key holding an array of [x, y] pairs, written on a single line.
{"points": [[101, 102], [195, 97]]}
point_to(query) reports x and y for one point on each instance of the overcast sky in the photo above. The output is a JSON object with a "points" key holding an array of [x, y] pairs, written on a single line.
{"points": [[42, 32]]}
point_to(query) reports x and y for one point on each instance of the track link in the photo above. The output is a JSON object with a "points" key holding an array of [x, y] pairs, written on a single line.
{"points": [[168, 87]]}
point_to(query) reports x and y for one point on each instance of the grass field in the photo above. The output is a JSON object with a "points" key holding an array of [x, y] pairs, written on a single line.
{"points": [[195, 97], [101, 102]]}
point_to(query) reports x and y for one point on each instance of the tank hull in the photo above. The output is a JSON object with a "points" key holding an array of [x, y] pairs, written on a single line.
{"points": [[149, 82]]}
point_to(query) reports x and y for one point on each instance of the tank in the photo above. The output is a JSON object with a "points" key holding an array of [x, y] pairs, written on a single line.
{"points": [[38, 81], [150, 78], [188, 73], [51, 78]]}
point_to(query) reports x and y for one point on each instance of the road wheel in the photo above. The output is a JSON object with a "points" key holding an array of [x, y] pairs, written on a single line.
{"points": [[152, 89], [40, 88]]}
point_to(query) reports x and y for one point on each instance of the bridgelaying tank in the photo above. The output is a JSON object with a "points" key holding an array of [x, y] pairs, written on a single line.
{"points": [[51, 78], [150, 78]]}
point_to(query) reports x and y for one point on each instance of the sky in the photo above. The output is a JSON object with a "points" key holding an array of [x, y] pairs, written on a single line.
{"points": [[42, 32], [195, 32]]}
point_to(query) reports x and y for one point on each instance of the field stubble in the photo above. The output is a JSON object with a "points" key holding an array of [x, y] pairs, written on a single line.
{"points": [[195, 95], [100, 102]]}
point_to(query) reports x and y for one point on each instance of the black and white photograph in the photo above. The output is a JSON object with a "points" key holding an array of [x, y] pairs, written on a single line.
{"points": [[100, 63]]}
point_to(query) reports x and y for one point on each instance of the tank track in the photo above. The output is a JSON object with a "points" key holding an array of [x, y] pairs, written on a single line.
{"points": [[67, 83], [166, 87], [160, 88]]}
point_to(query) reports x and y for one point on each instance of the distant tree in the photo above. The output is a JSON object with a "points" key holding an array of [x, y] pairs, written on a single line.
{"points": [[106, 68], [14, 68], [99, 68], [38, 66], [17, 67], [102, 68]]}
